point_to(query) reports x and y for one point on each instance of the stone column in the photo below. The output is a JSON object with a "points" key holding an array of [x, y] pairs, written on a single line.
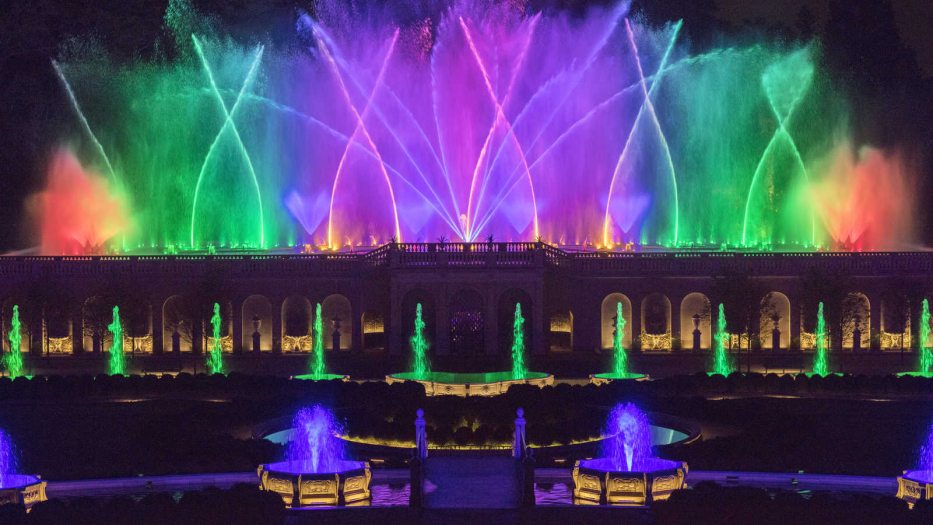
{"points": [[676, 303], [636, 321], [277, 325], [539, 341], [491, 323], [874, 323], [77, 332], [356, 324], [158, 337], [237, 329], [794, 324], [442, 318], [393, 337]]}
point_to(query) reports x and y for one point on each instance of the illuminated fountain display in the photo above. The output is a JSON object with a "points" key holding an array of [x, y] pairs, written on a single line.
{"points": [[626, 473], [463, 121], [722, 363], [470, 384], [16, 488], [619, 355], [315, 471], [117, 364], [916, 485], [215, 357], [13, 361], [317, 369]]}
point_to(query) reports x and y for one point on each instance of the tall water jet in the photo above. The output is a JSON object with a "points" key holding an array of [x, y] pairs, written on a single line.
{"points": [[19, 489], [722, 364], [917, 485], [315, 470], [117, 359], [820, 357], [318, 369], [215, 358], [620, 363], [626, 460], [923, 348], [519, 368], [420, 366], [13, 362]]}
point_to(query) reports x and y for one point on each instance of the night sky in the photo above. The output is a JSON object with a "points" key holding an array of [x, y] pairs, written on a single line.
{"points": [[883, 49]]}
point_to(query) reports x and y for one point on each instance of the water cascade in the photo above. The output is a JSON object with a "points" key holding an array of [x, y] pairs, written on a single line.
{"points": [[318, 369], [620, 363], [629, 444], [820, 357], [519, 368], [13, 362], [926, 353], [722, 364], [215, 358], [315, 444], [7, 459], [420, 366], [117, 359]]}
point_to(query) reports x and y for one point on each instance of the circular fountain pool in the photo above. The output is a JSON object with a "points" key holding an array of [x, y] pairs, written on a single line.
{"points": [[601, 379], [322, 377], [21, 489], [471, 384]]}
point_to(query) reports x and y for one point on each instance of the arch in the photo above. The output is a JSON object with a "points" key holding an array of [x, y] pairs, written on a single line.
{"points": [[177, 317], [774, 305], [95, 316], [428, 314], [506, 318], [697, 304], [560, 332], [338, 316], [467, 323], [58, 329], [656, 322], [136, 317], [895, 322], [856, 312], [374, 328], [296, 324], [257, 309], [607, 320]]}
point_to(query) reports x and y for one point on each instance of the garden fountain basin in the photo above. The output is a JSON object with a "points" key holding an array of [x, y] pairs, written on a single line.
{"points": [[300, 486], [608, 377], [323, 377], [470, 384], [915, 485], [598, 482], [22, 489]]}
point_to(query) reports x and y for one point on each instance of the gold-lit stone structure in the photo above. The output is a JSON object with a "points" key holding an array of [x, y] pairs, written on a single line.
{"points": [[914, 486], [23, 490], [466, 384], [347, 486], [596, 483]]}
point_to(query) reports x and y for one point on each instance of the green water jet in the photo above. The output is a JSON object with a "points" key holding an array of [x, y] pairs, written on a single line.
{"points": [[820, 358], [215, 358], [519, 369], [117, 359], [926, 354], [13, 362], [722, 365], [419, 347], [620, 365], [318, 370]]}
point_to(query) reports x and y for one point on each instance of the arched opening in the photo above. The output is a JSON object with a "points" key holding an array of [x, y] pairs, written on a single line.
{"points": [[257, 324], [338, 322], [856, 317], [226, 327], [25, 326], [177, 324], [96, 315], [695, 314], [608, 320], [374, 330], [467, 327], [560, 332], [296, 324], [656, 322], [774, 313], [409, 306], [506, 317], [136, 317], [895, 322], [58, 326]]}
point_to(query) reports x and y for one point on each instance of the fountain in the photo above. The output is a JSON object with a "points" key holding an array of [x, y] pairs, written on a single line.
{"points": [[461, 120], [215, 358], [317, 368], [619, 355], [820, 357], [626, 474], [722, 364], [117, 359], [15, 488], [926, 354], [465, 383], [917, 485], [13, 362], [315, 472]]}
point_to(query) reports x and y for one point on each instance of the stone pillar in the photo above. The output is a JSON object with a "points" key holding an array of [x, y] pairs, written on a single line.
{"points": [[277, 325], [442, 318], [394, 331], [636, 321], [675, 322], [794, 324], [77, 332], [538, 339], [356, 335], [491, 323], [197, 332], [158, 337], [874, 323], [237, 328]]}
